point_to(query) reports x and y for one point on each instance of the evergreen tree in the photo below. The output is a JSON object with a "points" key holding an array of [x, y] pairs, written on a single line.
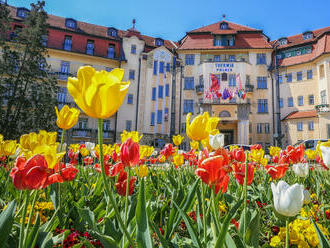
{"points": [[27, 87]]}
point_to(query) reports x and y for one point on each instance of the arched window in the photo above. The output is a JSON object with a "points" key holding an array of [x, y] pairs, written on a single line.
{"points": [[71, 23], [159, 42], [22, 12], [307, 35], [224, 113], [283, 41], [112, 32], [223, 25]]}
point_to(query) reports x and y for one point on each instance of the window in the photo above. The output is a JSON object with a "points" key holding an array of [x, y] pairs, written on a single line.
{"points": [[132, 74], [283, 41], [223, 25], [190, 59], [166, 114], [201, 80], [82, 123], [232, 80], [290, 101], [160, 91], [183, 127], [67, 43], [155, 67], [111, 51], [309, 74], [61, 95], [188, 106], [262, 106], [65, 67], [321, 71], [232, 58], [281, 102], [307, 35], [152, 119], [90, 47], [159, 116], [108, 69], [168, 67], [70, 23], [261, 58], [161, 67], [289, 77], [167, 90], [133, 49], [223, 77], [112, 32], [300, 100], [323, 97], [267, 128], [224, 40], [22, 12], [189, 83], [159, 42], [299, 75], [217, 58], [44, 40], [311, 125], [262, 82], [299, 126], [247, 80], [311, 99], [128, 125], [106, 125], [154, 94], [259, 127], [130, 99], [280, 79]]}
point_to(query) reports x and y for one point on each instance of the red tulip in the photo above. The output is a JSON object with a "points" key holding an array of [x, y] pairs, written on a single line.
{"points": [[73, 157], [239, 172], [223, 152], [238, 154], [129, 153], [88, 160], [122, 181], [168, 150], [277, 172], [117, 168], [30, 174], [68, 173], [212, 171], [297, 154], [256, 147]]}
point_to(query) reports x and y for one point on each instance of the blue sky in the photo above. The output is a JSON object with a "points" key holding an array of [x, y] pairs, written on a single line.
{"points": [[171, 19]]}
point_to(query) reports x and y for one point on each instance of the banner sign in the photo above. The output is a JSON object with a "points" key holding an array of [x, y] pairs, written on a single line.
{"points": [[224, 67]]}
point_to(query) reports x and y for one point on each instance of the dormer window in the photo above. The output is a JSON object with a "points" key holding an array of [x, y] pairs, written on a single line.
{"points": [[112, 32], [159, 42], [283, 41], [22, 12], [307, 35], [224, 25], [71, 23], [224, 40]]}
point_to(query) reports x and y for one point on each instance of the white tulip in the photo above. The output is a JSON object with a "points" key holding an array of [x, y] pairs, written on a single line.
{"points": [[90, 146], [217, 141], [301, 169], [288, 200], [325, 154], [307, 197]]}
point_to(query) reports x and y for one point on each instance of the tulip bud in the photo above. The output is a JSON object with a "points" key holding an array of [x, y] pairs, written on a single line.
{"points": [[300, 169], [307, 197], [288, 200], [325, 154], [216, 141], [129, 153]]}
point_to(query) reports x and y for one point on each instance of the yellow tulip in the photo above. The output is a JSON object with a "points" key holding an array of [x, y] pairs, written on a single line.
{"points": [[46, 138], [74, 147], [141, 171], [256, 155], [178, 160], [32, 140], [84, 152], [150, 151], [1, 138], [201, 126], [206, 144], [134, 135], [162, 159], [233, 147], [318, 147], [67, 117], [177, 139], [264, 161], [311, 154], [8, 147], [274, 151], [194, 145], [50, 154], [145, 151], [98, 93]]}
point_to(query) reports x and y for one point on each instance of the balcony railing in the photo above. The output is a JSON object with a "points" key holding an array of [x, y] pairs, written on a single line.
{"points": [[321, 108], [249, 87], [199, 88], [82, 132], [107, 134]]}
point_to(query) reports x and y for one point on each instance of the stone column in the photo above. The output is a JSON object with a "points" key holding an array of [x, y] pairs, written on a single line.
{"points": [[243, 131]]}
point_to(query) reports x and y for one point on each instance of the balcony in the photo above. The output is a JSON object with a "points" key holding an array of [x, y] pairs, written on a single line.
{"points": [[249, 87], [322, 108], [82, 132], [199, 89], [62, 75], [107, 134]]}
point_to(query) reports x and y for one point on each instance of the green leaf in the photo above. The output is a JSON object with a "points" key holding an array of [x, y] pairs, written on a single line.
{"points": [[161, 238], [324, 242], [190, 227], [6, 221], [33, 235], [253, 230], [87, 216], [143, 237], [221, 238], [106, 241], [241, 222]]}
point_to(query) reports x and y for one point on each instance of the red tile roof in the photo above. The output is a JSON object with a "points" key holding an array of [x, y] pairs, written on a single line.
{"points": [[215, 28], [301, 114]]}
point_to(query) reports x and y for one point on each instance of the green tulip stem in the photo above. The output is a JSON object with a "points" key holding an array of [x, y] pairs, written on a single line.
{"points": [[245, 193], [287, 233], [21, 231], [30, 216], [126, 199], [106, 185], [203, 210], [62, 139]]}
